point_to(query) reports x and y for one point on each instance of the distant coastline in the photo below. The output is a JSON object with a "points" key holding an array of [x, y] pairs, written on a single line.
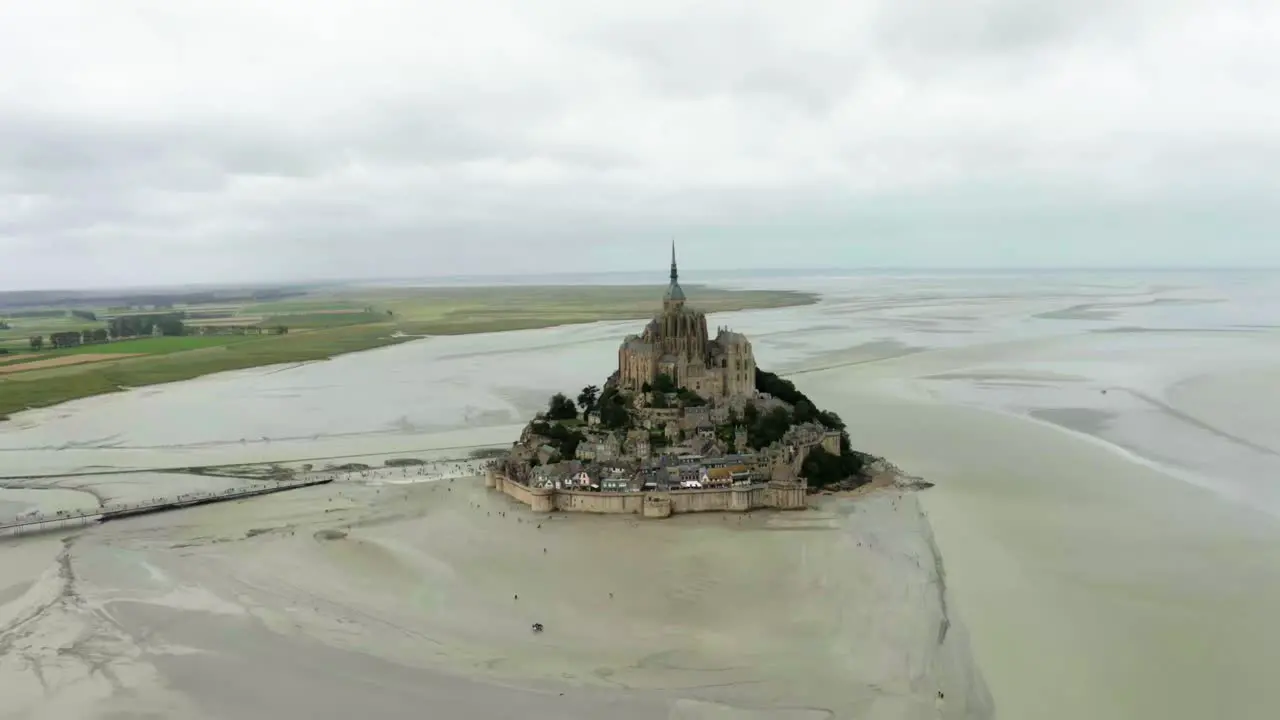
{"points": [[229, 331]]}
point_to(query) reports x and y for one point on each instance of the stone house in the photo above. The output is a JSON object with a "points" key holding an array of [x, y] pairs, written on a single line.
{"points": [[601, 447], [696, 417], [613, 484], [686, 473], [716, 477], [609, 448], [546, 453], [652, 478], [638, 443], [616, 479], [659, 417], [547, 475], [672, 431]]}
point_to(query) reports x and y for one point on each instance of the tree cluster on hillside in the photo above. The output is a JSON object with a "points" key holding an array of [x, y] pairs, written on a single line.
{"points": [[564, 439], [689, 398], [588, 397], [805, 410], [561, 408], [764, 429], [613, 409], [664, 385], [820, 467]]}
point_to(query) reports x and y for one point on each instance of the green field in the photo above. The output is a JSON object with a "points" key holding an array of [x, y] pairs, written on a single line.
{"points": [[324, 319], [318, 333], [139, 346]]}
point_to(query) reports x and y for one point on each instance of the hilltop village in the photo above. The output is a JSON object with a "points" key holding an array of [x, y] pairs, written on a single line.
{"points": [[687, 423]]}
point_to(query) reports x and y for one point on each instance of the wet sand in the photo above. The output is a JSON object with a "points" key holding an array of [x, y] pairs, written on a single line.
{"points": [[1075, 567], [376, 597], [1105, 505]]}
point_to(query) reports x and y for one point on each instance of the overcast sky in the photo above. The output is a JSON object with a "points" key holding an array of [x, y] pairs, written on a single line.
{"points": [[219, 140]]}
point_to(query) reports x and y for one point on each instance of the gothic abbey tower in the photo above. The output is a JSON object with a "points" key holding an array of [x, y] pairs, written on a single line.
{"points": [[675, 343]]}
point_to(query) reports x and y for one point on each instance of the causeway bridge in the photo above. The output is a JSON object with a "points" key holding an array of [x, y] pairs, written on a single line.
{"points": [[11, 527]]}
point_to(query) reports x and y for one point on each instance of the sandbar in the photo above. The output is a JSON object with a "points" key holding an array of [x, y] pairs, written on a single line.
{"points": [[333, 601]]}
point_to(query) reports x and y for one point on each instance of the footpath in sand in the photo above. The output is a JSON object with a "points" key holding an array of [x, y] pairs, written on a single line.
{"points": [[384, 600]]}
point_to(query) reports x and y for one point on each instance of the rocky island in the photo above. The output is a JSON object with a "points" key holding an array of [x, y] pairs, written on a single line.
{"points": [[687, 423]]}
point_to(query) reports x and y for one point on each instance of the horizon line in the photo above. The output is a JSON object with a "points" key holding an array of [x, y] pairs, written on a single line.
{"points": [[866, 269]]}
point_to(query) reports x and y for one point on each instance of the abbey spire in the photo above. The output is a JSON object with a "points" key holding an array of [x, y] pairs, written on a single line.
{"points": [[673, 298], [675, 344]]}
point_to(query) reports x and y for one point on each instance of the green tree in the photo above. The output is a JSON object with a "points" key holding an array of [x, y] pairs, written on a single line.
{"points": [[561, 408], [36, 342], [830, 420], [689, 398], [615, 416], [804, 412], [169, 325], [588, 397], [664, 383], [821, 468], [565, 440], [769, 427], [612, 406]]}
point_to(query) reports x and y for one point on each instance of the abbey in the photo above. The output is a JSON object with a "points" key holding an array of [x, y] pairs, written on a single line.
{"points": [[675, 343]]}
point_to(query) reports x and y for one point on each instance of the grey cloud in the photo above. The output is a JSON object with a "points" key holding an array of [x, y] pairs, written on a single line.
{"points": [[700, 53], [988, 27], [875, 131]]}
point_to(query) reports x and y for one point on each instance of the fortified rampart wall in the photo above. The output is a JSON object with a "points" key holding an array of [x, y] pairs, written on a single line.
{"points": [[780, 496]]}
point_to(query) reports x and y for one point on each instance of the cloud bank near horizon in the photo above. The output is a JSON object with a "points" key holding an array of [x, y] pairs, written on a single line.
{"points": [[233, 140]]}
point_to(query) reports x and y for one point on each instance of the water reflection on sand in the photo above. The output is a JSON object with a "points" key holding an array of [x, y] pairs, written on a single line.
{"points": [[1113, 548]]}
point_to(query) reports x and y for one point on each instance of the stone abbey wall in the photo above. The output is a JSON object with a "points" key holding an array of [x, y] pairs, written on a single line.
{"points": [[653, 504]]}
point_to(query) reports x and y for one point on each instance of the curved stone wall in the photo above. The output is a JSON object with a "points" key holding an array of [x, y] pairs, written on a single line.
{"points": [[783, 496], [597, 502]]}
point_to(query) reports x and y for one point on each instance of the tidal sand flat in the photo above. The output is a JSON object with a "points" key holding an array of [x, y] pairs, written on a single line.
{"points": [[1108, 551], [1151, 593], [355, 598]]}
